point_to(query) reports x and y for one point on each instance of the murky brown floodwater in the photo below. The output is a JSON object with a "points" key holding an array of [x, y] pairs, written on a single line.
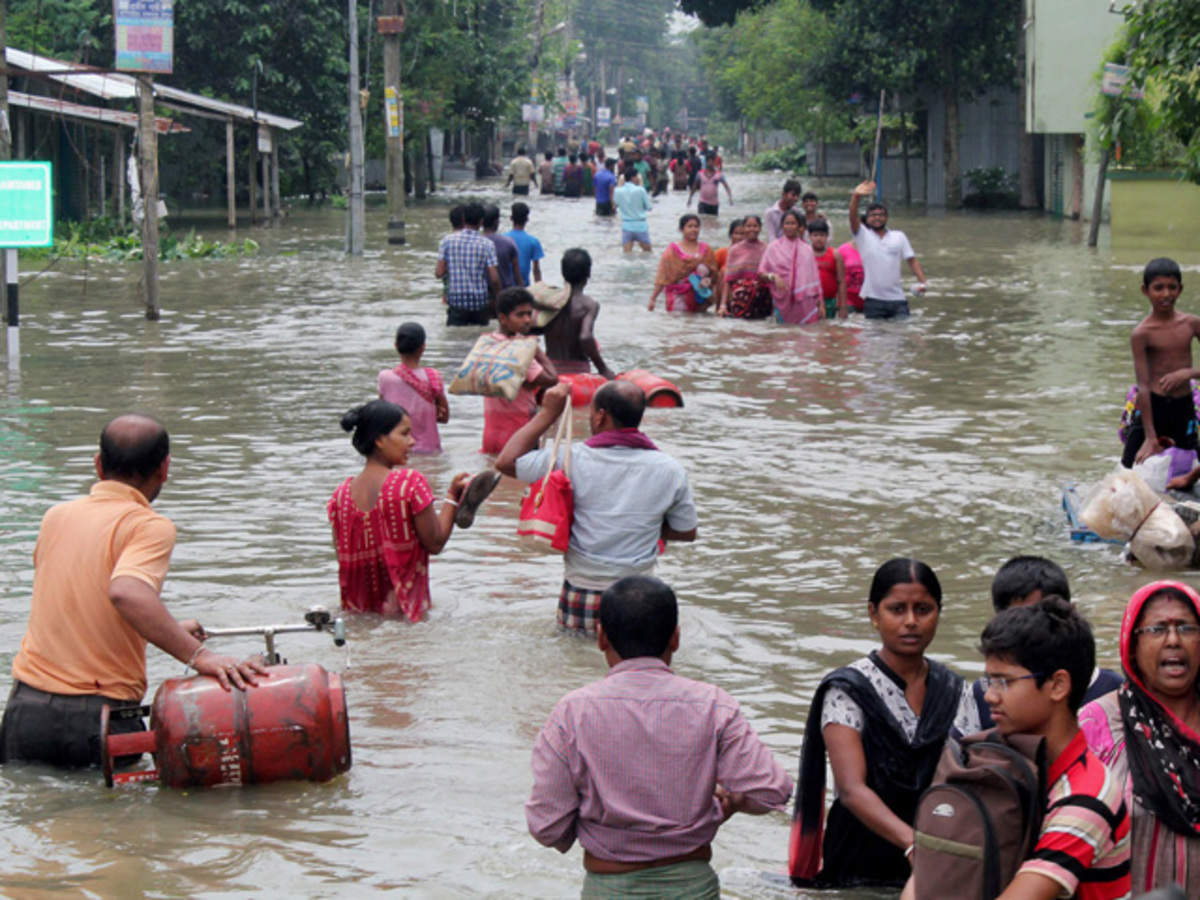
{"points": [[814, 454]]}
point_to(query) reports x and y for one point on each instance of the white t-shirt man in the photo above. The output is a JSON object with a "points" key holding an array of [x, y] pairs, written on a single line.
{"points": [[881, 258]]}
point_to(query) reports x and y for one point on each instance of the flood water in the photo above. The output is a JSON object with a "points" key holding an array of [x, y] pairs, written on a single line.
{"points": [[815, 454]]}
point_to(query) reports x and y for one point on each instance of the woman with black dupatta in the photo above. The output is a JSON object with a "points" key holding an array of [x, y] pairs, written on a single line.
{"points": [[883, 721], [1148, 733]]}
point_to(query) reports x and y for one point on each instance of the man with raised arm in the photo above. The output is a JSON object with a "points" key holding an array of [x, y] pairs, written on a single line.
{"points": [[881, 251]]}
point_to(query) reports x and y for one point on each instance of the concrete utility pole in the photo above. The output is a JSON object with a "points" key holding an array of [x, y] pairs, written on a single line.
{"points": [[356, 212], [390, 26], [148, 169]]}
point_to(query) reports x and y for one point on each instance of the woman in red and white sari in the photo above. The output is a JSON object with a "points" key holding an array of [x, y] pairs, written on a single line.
{"points": [[678, 262]]}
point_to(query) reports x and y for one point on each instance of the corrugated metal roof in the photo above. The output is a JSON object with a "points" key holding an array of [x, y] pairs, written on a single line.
{"points": [[93, 113], [117, 86]]}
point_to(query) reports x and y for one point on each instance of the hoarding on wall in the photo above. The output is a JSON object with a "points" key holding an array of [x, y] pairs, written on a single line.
{"points": [[603, 116], [26, 211], [145, 35]]}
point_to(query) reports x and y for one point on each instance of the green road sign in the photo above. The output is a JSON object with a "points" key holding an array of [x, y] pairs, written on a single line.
{"points": [[26, 213]]}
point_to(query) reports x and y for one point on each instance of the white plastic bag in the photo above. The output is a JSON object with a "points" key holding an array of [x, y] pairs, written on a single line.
{"points": [[1123, 507], [1155, 471]]}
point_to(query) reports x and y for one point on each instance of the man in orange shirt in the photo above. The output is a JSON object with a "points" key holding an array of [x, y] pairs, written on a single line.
{"points": [[98, 570]]}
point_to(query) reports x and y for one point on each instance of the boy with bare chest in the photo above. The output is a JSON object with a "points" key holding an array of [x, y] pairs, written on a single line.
{"points": [[1162, 362]]}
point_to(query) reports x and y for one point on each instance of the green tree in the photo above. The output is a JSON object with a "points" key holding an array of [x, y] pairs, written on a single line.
{"points": [[1164, 56]]}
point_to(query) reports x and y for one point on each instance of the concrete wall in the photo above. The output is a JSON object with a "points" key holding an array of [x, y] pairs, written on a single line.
{"points": [[1065, 42], [1069, 172], [834, 160], [989, 128], [1154, 210]]}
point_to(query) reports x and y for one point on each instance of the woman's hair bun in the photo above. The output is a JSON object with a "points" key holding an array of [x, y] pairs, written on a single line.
{"points": [[350, 419], [1057, 607]]}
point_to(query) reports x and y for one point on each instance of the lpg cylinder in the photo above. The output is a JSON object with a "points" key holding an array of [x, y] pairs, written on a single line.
{"points": [[660, 393], [291, 726], [583, 386]]}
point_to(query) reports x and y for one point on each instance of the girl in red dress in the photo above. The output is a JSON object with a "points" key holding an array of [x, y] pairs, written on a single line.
{"points": [[384, 524]]}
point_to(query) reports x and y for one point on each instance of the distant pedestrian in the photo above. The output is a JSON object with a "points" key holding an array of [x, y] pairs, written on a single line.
{"points": [[606, 182], [529, 248], [573, 178], [468, 260], [560, 166], [633, 202], [706, 185], [507, 258], [546, 173], [773, 217], [521, 172]]}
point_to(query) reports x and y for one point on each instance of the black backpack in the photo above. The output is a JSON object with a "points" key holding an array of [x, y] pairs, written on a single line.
{"points": [[980, 818]]}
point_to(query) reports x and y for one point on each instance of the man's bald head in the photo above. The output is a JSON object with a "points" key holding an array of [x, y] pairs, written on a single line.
{"points": [[132, 448], [624, 401]]}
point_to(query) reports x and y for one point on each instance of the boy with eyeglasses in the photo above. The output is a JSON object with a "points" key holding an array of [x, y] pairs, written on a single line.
{"points": [[1037, 662]]}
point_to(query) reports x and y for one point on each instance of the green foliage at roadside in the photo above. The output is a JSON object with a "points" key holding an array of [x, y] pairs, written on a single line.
{"points": [[992, 187], [792, 159], [1163, 40], [1132, 128], [101, 239]]}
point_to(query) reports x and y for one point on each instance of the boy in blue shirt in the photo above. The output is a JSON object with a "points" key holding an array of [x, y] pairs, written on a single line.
{"points": [[529, 248]]}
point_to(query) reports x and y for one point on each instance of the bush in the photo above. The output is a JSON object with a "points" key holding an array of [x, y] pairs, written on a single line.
{"points": [[790, 159], [101, 239], [994, 187]]}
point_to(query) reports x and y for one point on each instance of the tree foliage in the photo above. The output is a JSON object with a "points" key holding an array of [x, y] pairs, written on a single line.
{"points": [[1164, 56]]}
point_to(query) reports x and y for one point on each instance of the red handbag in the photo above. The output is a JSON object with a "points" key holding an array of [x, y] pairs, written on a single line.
{"points": [[549, 505]]}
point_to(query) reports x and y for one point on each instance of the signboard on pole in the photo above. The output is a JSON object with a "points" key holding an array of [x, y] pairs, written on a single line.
{"points": [[643, 105], [603, 116], [145, 35], [265, 144], [533, 112], [26, 210], [392, 119], [1114, 80]]}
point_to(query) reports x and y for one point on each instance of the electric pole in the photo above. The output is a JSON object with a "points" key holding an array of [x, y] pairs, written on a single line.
{"points": [[390, 26], [355, 213]]}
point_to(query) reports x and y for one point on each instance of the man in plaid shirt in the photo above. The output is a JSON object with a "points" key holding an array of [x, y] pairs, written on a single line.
{"points": [[468, 261]]}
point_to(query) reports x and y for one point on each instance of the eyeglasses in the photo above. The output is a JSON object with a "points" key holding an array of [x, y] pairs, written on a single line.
{"points": [[1002, 682], [1186, 631]]}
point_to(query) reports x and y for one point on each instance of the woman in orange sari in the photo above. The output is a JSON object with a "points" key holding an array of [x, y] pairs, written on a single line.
{"points": [[679, 261]]}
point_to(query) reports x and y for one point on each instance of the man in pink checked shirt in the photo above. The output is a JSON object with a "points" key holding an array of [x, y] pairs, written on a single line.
{"points": [[643, 766]]}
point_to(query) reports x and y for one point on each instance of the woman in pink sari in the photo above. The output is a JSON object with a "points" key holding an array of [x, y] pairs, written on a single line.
{"points": [[678, 262], [746, 294], [416, 388], [792, 269]]}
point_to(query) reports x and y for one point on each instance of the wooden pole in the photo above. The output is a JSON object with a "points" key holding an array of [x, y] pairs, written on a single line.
{"points": [[119, 175], [1098, 202], [230, 178], [148, 159], [265, 163], [356, 212], [875, 170], [276, 200], [252, 171], [393, 139]]}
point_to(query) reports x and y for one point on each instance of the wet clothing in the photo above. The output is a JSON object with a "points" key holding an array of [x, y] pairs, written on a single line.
{"points": [[1084, 842], [467, 255], [559, 165], [522, 170], [633, 203], [546, 176], [902, 752], [506, 255], [884, 309], [797, 294], [456, 316], [675, 268], [573, 180], [578, 608], [382, 565], [881, 258], [1155, 758], [628, 765], [62, 729], [708, 209], [606, 181], [852, 263], [417, 391], [503, 418], [1174, 418], [694, 880], [529, 250], [76, 641]]}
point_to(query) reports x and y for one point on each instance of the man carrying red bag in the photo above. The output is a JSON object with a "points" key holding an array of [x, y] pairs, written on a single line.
{"points": [[628, 495]]}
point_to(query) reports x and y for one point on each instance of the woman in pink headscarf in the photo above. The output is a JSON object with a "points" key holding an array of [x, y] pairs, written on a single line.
{"points": [[792, 268], [746, 294]]}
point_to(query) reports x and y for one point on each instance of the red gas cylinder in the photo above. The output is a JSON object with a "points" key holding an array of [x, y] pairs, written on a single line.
{"points": [[291, 726], [583, 386], [660, 393]]}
